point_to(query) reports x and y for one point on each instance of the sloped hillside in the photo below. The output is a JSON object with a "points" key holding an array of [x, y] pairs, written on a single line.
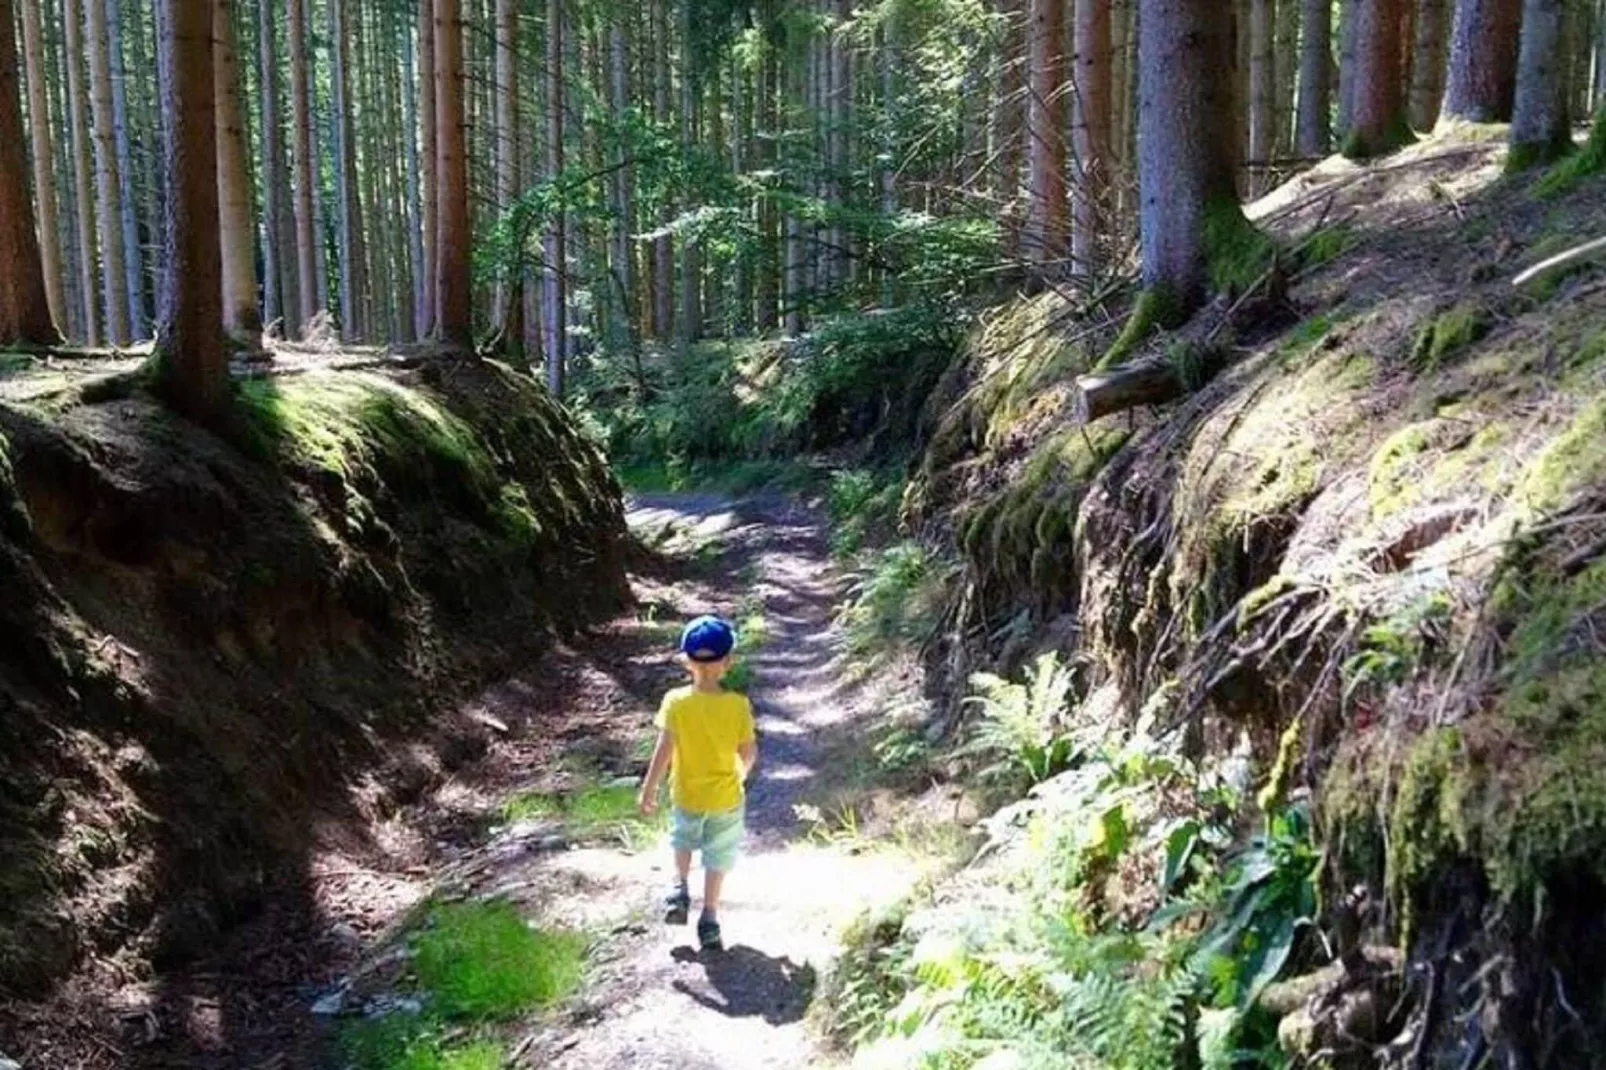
{"points": [[1363, 562], [217, 651]]}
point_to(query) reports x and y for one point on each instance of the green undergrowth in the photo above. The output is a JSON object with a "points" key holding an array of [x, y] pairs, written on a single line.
{"points": [[1573, 169], [605, 813], [896, 600], [1447, 334], [474, 964], [1126, 924], [746, 410]]}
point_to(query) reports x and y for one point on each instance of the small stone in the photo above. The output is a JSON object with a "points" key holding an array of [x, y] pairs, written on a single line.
{"points": [[331, 1004], [9, 1064]]}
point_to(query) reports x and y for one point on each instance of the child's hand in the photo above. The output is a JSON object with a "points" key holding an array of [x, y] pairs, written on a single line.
{"points": [[647, 802]]}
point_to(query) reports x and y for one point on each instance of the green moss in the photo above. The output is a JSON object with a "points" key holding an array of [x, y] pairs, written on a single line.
{"points": [[1397, 133], [1447, 334], [1519, 789], [1574, 459], [1579, 166], [1237, 251], [1395, 471], [1157, 308], [1327, 245], [14, 519], [1528, 155]]}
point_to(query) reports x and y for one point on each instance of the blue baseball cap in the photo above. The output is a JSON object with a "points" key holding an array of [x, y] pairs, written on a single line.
{"points": [[707, 639]]}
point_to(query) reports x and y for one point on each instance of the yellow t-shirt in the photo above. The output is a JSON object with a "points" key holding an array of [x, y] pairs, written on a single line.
{"points": [[707, 727]]}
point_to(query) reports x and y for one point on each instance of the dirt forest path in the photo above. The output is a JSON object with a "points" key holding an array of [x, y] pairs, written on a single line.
{"points": [[654, 1001]]}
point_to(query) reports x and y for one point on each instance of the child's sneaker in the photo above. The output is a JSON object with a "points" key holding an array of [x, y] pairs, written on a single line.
{"points": [[677, 906], [708, 934]]}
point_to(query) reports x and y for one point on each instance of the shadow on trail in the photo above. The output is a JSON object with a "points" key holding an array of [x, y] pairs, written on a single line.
{"points": [[747, 983]]}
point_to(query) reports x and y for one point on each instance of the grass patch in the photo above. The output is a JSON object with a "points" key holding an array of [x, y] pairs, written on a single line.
{"points": [[12, 363], [482, 961], [414, 1043], [896, 601], [1577, 167], [598, 813]]}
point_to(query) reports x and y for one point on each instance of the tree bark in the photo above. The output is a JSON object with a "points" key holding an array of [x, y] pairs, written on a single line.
{"points": [[133, 258], [429, 178], [621, 186], [1541, 125], [1185, 147], [76, 109], [1262, 90], [509, 301], [108, 178], [1315, 136], [242, 316], [1090, 135], [1045, 245], [348, 228], [1379, 123], [24, 302], [301, 150], [691, 267], [1427, 68], [454, 310], [556, 284], [416, 165], [281, 290], [663, 246], [1287, 63], [1482, 83], [191, 358], [44, 170], [1348, 9]]}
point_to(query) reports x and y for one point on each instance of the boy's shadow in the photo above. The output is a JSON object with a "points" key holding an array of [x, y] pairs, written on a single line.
{"points": [[750, 984]]}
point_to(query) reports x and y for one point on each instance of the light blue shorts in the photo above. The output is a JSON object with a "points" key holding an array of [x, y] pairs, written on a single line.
{"points": [[718, 836]]}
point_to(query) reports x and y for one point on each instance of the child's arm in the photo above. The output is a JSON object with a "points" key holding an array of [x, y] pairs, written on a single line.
{"points": [[748, 753], [647, 801]]}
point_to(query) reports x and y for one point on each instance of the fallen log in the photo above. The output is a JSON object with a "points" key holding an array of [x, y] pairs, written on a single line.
{"points": [[1147, 382], [1563, 261]]}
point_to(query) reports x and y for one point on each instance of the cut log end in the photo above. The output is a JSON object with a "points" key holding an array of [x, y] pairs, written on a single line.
{"points": [[1100, 394]]}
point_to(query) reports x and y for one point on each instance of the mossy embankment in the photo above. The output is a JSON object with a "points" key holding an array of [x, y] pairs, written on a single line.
{"points": [[1365, 558], [220, 649]]}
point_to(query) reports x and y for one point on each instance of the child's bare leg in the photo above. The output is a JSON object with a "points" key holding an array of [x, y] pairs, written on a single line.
{"points": [[713, 886], [683, 867]]}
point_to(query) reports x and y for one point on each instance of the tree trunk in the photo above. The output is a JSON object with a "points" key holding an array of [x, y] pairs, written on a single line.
{"points": [[620, 187], [1147, 382], [44, 170], [1427, 69], [417, 234], [1482, 82], [76, 106], [191, 358], [1185, 148], [454, 310], [24, 302], [1541, 126], [352, 326], [108, 178], [663, 247], [1379, 123], [1262, 91], [1348, 10], [556, 295], [301, 150], [429, 178], [242, 317], [1045, 245], [1090, 135], [133, 258], [691, 267], [282, 291], [509, 301], [1315, 136], [1287, 63]]}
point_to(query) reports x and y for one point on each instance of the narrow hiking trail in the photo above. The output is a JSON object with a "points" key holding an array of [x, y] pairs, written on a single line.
{"points": [[652, 1000], [657, 1002]]}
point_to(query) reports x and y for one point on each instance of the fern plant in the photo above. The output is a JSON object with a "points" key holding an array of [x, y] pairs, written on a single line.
{"points": [[1021, 734]]}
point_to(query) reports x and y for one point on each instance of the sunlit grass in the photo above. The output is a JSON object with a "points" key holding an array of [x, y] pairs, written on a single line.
{"points": [[483, 961], [605, 812], [402, 1042]]}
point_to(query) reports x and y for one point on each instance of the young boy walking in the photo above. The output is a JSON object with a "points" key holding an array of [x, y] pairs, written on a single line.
{"points": [[707, 746]]}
